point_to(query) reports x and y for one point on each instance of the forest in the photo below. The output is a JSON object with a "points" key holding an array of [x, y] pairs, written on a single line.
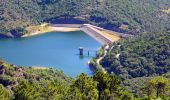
{"points": [[143, 55], [127, 16], [27, 83]]}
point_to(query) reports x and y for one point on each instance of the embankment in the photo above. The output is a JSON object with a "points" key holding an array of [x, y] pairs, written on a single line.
{"points": [[45, 28], [102, 35]]}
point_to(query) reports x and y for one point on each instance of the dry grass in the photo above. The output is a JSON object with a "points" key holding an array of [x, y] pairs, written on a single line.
{"points": [[41, 28], [44, 28], [108, 34], [39, 68], [113, 36]]}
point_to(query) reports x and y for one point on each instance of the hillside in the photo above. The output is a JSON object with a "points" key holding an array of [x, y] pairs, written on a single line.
{"points": [[138, 67], [36, 82], [139, 85], [129, 16], [137, 60], [26, 83], [11, 74], [144, 55]]}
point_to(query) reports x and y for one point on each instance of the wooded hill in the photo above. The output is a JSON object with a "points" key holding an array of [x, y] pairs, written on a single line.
{"points": [[129, 16], [139, 61], [147, 54], [26, 83]]}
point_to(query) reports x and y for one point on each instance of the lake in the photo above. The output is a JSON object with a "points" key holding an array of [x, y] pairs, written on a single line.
{"points": [[58, 50]]}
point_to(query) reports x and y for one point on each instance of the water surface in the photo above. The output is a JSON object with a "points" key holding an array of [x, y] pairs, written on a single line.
{"points": [[55, 49]]}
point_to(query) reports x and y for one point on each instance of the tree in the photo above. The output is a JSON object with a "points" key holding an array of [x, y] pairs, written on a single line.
{"points": [[148, 90], [102, 82], [114, 82], [5, 94], [27, 91], [126, 96], [157, 87], [86, 87], [160, 85], [54, 91]]}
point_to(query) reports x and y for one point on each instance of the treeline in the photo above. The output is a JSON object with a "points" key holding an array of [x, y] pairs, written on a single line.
{"points": [[18, 83], [129, 16]]}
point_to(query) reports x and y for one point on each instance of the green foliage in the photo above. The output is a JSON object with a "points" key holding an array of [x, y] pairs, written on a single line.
{"points": [[5, 94], [40, 91], [138, 15], [33, 84], [108, 85], [86, 87], [48, 84], [160, 84], [27, 91], [100, 52], [132, 59], [157, 87], [138, 86], [126, 96], [143, 55], [94, 65], [6, 80]]}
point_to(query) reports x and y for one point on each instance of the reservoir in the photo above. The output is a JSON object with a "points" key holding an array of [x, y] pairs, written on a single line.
{"points": [[57, 50]]}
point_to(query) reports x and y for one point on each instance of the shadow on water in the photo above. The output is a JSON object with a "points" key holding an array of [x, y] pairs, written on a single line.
{"points": [[92, 68], [85, 56], [3, 36]]}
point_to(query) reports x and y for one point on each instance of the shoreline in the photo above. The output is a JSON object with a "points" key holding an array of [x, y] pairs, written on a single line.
{"points": [[101, 35], [45, 28], [111, 36], [95, 61]]}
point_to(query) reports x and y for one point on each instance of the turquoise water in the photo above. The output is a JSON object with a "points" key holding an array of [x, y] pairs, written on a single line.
{"points": [[55, 49]]}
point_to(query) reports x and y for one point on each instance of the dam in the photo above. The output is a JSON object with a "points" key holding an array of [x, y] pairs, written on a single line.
{"points": [[58, 49], [101, 35]]}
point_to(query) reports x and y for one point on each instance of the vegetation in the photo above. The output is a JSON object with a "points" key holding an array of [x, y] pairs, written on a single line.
{"points": [[138, 67], [5, 94], [130, 16], [149, 87], [140, 61], [143, 55], [27, 83], [18, 83]]}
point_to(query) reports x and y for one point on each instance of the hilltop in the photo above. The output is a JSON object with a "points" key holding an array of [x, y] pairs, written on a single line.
{"points": [[126, 16]]}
